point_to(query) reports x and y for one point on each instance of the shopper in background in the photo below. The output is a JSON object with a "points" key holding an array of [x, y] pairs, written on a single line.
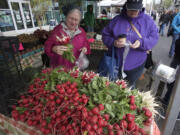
{"points": [[176, 32], [76, 34], [104, 14], [147, 38], [89, 19], [163, 21]]}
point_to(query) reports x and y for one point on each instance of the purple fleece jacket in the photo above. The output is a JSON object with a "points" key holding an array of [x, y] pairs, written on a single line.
{"points": [[120, 25]]}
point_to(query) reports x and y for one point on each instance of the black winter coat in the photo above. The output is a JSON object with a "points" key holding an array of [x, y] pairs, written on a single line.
{"points": [[177, 49]]}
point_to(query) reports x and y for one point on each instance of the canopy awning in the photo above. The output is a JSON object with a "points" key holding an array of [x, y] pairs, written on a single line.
{"points": [[108, 3]]}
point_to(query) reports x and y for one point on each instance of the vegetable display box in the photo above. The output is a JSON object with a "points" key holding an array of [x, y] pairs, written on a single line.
{"points": [[31, 58]]}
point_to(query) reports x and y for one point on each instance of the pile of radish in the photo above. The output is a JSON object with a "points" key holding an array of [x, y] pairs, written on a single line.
{"points": [[63, 102]]}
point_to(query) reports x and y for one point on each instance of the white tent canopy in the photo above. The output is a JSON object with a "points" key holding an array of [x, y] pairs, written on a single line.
{"points": [[108, 3], [119, 3]]}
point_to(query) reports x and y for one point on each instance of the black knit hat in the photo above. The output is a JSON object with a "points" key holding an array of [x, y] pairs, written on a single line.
{"points": [[69, 7], [134, 4]]}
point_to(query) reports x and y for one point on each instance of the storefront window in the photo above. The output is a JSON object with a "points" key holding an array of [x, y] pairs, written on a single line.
{"points": [[35, 20], [6, 22], [17, 15], [57, 16], [48, 16], [27, 15], [3, 4]]}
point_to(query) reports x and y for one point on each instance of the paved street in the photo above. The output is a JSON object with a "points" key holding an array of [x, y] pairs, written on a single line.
{"points": [[160, 54]]}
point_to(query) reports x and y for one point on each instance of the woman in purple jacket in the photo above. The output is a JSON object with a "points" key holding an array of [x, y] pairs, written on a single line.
{"points": [[133, 63], [70, 28]]}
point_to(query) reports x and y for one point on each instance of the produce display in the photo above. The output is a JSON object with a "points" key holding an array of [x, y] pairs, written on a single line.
{"points": [[42, 35], [27, 38], [70, 102], [29, 57], [32, 40]]}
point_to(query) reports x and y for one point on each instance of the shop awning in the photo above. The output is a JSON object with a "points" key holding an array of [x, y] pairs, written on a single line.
{"points": [[108, 3]]}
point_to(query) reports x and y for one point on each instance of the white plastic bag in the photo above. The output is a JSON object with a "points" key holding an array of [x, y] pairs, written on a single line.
{"points": [[165, 73], [82, 62]]}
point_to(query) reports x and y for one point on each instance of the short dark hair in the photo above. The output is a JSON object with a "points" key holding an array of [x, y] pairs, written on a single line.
{"points": [[68, 8]]}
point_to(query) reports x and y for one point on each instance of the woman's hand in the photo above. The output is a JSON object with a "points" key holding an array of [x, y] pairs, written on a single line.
{"points": [[59, 49], [84, 49], [120, 42], [136, 44]]}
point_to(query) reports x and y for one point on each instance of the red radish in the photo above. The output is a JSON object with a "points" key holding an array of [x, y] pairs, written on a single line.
{"points": [[84, 114], [51, 97], [142, 131], [58, 86], [61, 91], [107, 83], [99, 131], [69, 91], [83, 123], [50, 126], [58, 101], [30, 122], [88, 127], [58, 113], [101, 122], [71, 131], [43, 130], [130, 117], [63, 128], [136, 128], [111, 132], [148, 113], [123, 124], [95, 111], [43, 123], [75, 98], [133, 107], [116, 126], [110, 127], [106, 116], [136, 133], [85, 101], [119, 132], [131, 126], [149, 120], [101, 107], [47, 131], [38, 110], [95, 127], [147, 124], [94, 119], [91, 133]]}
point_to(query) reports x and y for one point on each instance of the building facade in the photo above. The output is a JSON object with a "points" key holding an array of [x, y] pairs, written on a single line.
{"points": [[16, 17]]}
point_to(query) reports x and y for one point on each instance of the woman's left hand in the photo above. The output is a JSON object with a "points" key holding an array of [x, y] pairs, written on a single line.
{"points": [[84, 49], [136, 44]]}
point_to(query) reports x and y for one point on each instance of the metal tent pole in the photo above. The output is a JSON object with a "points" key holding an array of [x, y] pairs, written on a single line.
{"points": [[173, 108]]}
